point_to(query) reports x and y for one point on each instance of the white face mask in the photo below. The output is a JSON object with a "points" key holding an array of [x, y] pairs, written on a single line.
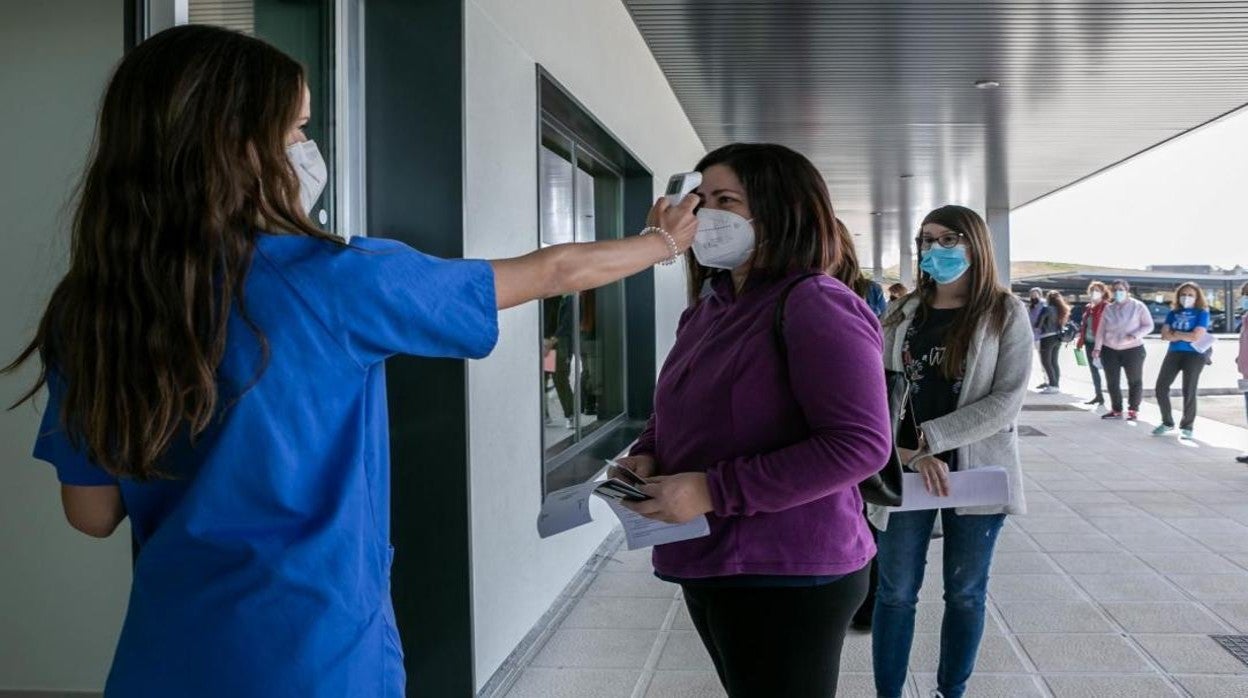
{"points": [[1187, 301], [310, 168], [1097, 296], [724, 240]]}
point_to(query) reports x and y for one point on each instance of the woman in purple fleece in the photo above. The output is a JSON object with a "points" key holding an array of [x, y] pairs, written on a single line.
{"points": [[767, 435]]}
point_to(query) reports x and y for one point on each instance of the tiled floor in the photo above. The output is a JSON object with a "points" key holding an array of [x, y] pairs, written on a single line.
{"points": [[1135, 550]]}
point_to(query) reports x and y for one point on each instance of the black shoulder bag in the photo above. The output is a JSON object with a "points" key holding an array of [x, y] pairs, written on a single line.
{"points": [[884, 487]]}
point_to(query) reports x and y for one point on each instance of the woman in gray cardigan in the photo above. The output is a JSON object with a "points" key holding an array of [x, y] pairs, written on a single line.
{"points": [[964, 341]]}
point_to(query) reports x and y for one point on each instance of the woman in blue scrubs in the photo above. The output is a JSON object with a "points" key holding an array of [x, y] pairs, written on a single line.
{"points": [[215, 372]]}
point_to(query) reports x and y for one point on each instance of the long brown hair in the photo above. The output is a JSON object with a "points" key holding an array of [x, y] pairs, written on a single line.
{"points": [[1063, 308], [189, 162], [848, 272], [794, 225], [1202, 303], [988, 299]]}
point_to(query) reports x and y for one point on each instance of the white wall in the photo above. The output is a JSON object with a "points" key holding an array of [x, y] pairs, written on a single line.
{"points": [[594, 50], [62, 595]]}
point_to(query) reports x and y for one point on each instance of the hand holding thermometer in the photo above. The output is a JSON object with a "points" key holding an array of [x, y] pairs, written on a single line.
{"points": [[681, 185]]}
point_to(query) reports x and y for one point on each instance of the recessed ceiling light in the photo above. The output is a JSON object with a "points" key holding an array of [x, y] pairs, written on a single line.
{"points": [[877, 213], [986, 84], [907, 176]]}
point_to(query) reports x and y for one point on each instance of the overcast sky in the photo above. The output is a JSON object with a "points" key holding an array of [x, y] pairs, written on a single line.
{"points": [[1180, 203]]}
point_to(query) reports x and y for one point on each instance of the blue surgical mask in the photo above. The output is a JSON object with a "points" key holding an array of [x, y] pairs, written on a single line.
{"points": [[1120, 296], [945, 264], [1243, 302]]}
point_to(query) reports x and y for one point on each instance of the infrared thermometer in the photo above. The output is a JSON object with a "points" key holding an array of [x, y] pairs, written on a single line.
{"points": [[681, 185]]}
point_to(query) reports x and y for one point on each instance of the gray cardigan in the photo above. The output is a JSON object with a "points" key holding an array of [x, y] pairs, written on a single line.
{"points": [[983, 428]]}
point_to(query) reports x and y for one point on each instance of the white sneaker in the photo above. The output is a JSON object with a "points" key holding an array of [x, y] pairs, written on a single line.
{"points": [[1050, 390], [569, 423]]}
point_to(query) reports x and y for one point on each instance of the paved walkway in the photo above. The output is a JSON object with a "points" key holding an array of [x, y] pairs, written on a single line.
{"points": [[1134, 552]]}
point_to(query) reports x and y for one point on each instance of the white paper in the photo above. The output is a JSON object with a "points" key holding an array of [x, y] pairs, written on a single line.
{"points": [[641, 532], [1205, 342], [565, 509], [967, 488], [568, 508]]}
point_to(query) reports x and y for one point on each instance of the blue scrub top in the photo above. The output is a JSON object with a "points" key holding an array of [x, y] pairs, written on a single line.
{"points": [[265, 563]]}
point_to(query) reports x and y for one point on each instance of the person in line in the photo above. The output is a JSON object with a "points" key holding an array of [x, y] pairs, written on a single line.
{"points": [[768, 432], [208, 379], [1120, 347], [1186, 327], [1053, 317], [896, 291], [1035, 312], [1241, 359], [964, 342], [850, 274], [1098, 296]]}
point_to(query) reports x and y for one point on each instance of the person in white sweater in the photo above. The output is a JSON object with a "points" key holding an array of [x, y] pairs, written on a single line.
{"points": [[1120, 346]]}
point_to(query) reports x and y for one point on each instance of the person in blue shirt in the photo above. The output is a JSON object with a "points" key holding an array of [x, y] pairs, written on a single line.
{"points": [[1187, 330], [214, 364]]}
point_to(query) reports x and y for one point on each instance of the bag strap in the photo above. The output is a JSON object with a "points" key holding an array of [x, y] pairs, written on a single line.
{"points": [[778, 322]]}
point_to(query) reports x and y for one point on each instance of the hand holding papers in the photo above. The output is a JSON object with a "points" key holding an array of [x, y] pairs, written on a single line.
{"points": [[568, 508], [967, 488]]}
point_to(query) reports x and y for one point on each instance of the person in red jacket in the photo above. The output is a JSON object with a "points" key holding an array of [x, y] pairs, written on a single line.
{"points": [[1099, 298]]}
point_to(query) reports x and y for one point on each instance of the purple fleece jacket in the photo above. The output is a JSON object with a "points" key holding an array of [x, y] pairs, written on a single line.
{"points": [[783, 449]]}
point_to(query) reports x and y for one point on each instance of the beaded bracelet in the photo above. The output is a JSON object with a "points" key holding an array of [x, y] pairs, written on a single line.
{"points": [[667, 238]]}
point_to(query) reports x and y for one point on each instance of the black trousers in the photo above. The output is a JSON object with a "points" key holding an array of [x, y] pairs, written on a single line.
{"points": [[1191, 364], [776, 641], [1115, 362], [1049, 346]]}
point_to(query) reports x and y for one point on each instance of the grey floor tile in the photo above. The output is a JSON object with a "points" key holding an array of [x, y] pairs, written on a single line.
{"points": [[637, 584], [1128, 587], [1190, 654], [685, 684], [1157, 543], [1235, 613], [1185, 563], [1131, 525], [1213, 587], [1077, 617], [856, 653], [1090, 497], [1215, 686], [996, 655], [1181, 617], [684, 650], [538, 682], [1099, 563], [1076, 542], [1208, 525], [682, 621], [1013, 541], [1032, 587], [618, 612], [1177, 509], [592, 648], [859, 685], [1224, 542], [1064, 653], [989, 685], [624, 560], [1054, 524], [1029, 562], [1148, 686]]}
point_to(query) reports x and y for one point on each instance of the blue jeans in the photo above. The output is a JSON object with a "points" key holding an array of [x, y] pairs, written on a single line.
{"points": [[968, 546]]}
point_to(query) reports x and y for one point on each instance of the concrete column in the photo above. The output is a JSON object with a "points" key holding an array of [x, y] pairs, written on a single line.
{"points": [[999, 222], [905, 234], [877, 246]]}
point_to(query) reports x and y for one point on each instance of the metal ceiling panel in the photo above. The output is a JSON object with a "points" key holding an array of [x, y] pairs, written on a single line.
{"points": [[872, 90]]}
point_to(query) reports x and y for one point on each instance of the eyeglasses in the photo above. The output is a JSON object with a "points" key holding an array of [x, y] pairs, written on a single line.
{"points": [[947, 241]]}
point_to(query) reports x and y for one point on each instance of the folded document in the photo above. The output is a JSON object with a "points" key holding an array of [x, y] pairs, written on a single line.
{"points": [[981, 487], [569, 507]]}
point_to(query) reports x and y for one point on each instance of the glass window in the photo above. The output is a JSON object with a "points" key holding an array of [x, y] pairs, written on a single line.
{"points": [[583, 355]]}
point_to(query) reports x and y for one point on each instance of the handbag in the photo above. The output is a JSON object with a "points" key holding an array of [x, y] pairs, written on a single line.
{"points": [[884, 487]]}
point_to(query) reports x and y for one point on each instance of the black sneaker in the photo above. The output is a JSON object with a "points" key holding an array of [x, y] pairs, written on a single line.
{"points": [[1243, 458], [1095, 401], [1112, 414], [1042, 386]]}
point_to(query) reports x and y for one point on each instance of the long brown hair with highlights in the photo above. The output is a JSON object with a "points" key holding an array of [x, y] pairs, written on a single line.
{"points": [[794, 226], [189, 164], [988, 299]]}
